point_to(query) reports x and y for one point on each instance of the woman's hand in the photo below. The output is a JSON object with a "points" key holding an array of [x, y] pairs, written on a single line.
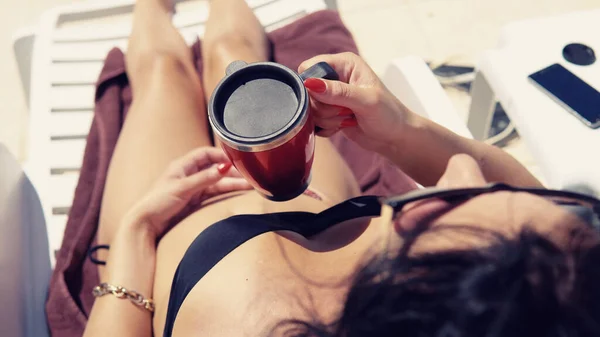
{"points": [[201, 174], [358, 104]]}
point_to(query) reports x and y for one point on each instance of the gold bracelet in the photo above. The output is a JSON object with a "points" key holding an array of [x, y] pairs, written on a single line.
{"points": [[123, 293]]}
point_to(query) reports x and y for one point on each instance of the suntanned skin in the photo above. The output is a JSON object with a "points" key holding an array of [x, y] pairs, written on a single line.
{"points": [[279, 275]]}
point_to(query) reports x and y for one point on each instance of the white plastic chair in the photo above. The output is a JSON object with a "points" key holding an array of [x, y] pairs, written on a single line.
{"points": [[555, 153], [552, 31], [64, 55], [410, 79], [66, 51]]}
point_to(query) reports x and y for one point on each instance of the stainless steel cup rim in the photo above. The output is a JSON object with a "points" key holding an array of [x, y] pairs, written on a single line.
{"points": [[273, 140]]}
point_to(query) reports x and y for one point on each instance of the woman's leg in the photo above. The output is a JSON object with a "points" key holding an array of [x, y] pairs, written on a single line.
{"points": [[234, 33], [167, 117]]}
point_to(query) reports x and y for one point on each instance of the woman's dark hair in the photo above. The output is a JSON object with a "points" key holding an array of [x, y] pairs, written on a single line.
{"points": [[519, 286]]}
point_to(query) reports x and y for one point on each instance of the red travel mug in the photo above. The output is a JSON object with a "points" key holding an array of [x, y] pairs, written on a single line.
{"points": [[260, 113]]}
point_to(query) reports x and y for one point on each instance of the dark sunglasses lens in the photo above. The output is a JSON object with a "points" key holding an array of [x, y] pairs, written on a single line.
{"points": [[569, 201], [581, 208]]}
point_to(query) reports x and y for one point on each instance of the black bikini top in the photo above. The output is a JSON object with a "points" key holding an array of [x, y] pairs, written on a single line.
{"points": [[218, 240]]}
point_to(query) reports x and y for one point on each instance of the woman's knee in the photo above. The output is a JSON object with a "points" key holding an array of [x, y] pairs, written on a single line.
{"points": [[163, 69], [227, 47]]}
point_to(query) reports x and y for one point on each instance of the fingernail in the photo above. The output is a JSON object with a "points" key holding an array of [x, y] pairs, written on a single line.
{"points": [[345, 112], [224, 167], [316, 85], [348, 122]]}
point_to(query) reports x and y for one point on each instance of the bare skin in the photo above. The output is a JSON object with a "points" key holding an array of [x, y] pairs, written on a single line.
{"points": [[278, 275], [168, 118]]}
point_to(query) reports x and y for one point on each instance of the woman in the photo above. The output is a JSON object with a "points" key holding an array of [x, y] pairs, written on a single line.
{"points": [[469, 262]]}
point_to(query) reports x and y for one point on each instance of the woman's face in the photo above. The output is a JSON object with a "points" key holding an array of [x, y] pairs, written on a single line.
{"points": [[500, 212]]}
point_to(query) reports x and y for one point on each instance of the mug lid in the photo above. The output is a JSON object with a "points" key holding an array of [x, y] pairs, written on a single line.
{"points": [[257, 103]]}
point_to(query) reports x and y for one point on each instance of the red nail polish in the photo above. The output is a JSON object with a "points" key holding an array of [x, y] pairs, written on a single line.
{"points": [[345, 112], [348, 122], [224, 167], [315, 85]]}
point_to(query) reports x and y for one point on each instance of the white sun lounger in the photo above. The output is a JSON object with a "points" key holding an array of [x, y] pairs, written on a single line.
{"points": [[59, 61], [70, 44]]}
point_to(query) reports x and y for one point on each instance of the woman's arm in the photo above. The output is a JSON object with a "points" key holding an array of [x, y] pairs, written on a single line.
{"points": [[423, 149], [366, 112], [202, 173], [130, 264]]}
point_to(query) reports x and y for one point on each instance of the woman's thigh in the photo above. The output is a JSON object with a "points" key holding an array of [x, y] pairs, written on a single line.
{"points": [[167, 119]]}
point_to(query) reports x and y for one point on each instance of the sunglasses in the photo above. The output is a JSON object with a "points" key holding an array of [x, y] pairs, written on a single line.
{"points": [[585, 206]]}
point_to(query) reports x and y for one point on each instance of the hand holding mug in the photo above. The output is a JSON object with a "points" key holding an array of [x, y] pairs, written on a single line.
{"points": [[260, 114], [358, 104]]}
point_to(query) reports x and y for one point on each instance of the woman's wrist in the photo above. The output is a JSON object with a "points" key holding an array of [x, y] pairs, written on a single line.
{"points": [[138, 223], [411, 124], [135, 235], [132, 258]]}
